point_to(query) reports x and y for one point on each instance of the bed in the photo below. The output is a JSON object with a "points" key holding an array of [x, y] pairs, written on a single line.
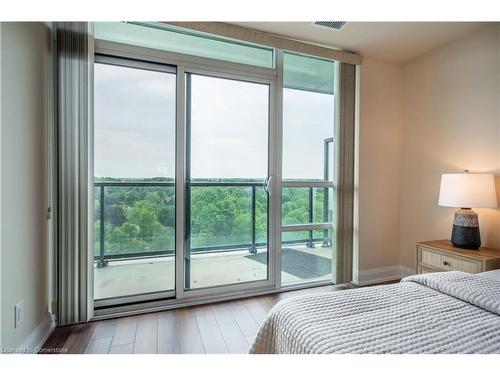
{"points": [[445, 312]]}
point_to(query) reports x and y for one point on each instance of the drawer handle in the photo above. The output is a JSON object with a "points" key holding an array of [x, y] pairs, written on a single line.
{"points": [[445, 263]]}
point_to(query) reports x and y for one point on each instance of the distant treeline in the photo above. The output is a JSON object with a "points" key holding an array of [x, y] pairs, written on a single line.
{"points": [[142, 218]]}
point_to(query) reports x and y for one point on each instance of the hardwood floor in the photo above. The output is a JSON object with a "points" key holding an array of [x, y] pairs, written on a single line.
{"points": [[226, 327]]}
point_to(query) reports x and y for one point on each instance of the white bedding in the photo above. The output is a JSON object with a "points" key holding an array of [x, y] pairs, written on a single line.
{"points": [[447, 312], [494, 274]]}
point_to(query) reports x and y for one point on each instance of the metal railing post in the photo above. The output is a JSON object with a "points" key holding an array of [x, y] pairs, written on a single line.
{"points": [[310, 243], [253, 248], [101, 262], [326, 166], [188, 186]]}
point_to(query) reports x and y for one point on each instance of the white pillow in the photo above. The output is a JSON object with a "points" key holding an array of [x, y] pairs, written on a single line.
{"points": [[495, 274]]}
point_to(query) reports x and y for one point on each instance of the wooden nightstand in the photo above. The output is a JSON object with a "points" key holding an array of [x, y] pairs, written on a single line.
{"points": [[437, 256]]}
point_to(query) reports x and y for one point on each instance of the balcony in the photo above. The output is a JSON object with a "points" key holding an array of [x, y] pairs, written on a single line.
{"points": [[134, 249]]}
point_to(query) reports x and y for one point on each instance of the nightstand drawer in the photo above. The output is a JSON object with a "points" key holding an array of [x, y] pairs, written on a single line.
{"points": [[441, 255], [446, 262]]}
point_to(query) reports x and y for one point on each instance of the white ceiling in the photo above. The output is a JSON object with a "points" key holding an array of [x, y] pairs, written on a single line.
{"points": [[394, 41]]}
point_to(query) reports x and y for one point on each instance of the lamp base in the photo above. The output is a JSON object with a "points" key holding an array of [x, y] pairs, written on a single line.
{"points": [[465, 233]]}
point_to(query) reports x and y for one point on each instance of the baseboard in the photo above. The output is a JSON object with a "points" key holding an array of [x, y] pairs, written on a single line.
{"points": [[382, 274], [34, 342]]}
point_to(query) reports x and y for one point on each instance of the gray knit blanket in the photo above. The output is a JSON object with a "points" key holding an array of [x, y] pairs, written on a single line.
{"points": [[447, 312]]}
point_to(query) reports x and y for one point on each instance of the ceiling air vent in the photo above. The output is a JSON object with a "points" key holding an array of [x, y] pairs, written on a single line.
{"points": [[337, 25]]}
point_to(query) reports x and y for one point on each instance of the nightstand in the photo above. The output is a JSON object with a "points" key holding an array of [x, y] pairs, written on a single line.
{"points": [[438, 256]]}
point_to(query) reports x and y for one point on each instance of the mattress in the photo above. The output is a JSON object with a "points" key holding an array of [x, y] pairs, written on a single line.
{"points": [[446, 312]]}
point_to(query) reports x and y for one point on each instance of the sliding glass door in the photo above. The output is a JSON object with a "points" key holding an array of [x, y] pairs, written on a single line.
{"points": [[227, 174], [134, 183], [185, 154]]}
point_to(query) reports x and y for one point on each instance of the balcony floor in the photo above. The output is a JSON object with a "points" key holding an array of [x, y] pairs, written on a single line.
{"points": [[137, 276]]}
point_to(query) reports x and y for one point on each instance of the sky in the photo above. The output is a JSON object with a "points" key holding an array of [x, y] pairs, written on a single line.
{"points": [[134, 124]]}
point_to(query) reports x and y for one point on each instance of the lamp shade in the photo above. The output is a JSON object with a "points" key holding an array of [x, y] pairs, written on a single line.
{"points": [[467, 190]]}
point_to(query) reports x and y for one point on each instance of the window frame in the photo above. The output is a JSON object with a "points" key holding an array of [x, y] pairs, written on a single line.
{"points": [[148, 58], [247, 286], [144, 65], [196, 35], [308, 183]]}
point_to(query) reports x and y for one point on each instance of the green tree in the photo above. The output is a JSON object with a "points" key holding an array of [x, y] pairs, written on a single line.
{"points": [[166, 215], [115, 214], [143, 214], [125, 237]]}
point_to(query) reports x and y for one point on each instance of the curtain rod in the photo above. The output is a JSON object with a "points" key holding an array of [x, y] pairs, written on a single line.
{"points": [[270, 40]]}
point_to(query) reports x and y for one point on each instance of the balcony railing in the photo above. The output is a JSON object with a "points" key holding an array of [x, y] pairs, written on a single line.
{"points": [[252, 246]]}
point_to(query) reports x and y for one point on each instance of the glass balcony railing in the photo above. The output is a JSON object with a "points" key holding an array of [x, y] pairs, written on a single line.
{"points": [[136, 219]]}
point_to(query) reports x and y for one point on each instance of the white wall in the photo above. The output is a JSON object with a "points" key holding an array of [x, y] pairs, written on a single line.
{"points": [[435, 114], [451, 123], [23, 178], [379, 169]]}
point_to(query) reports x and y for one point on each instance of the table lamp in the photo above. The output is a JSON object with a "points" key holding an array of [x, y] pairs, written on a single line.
{"points": [[467, 190]]}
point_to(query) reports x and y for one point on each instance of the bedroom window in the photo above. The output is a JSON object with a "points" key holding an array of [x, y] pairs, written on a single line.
{"points": [[166, 37], [215, 167], [134, 178], [308, 169]]}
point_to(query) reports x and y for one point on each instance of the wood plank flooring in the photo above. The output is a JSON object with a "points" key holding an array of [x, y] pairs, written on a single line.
{"points": [[226, 327]]}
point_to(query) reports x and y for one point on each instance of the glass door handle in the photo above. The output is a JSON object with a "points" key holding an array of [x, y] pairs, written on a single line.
{"points": [[267, 185]]}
